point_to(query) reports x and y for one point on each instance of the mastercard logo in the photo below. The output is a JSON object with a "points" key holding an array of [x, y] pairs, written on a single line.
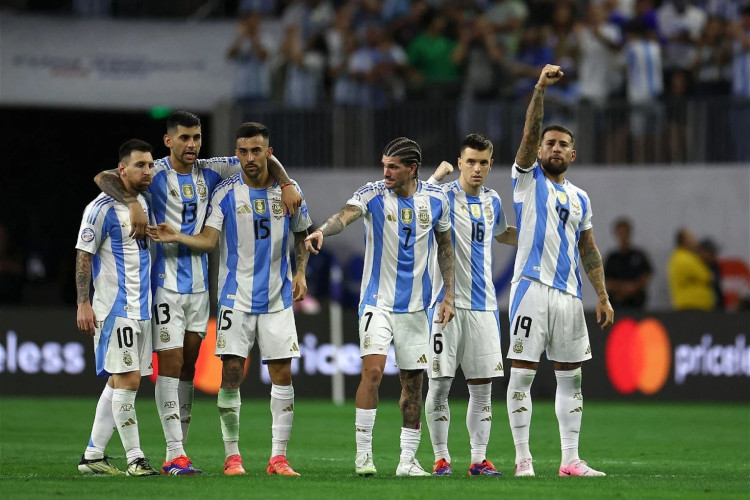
{"points": [[638, 356], [208, 367]]}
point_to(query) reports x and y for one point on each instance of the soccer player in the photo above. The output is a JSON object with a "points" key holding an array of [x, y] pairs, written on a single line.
{"points": [[119, 316], [256, 289], [546, 310], [180, 194], [403, 219], [472, 339]]}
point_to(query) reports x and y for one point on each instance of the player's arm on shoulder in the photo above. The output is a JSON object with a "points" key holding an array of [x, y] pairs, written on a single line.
{"points": [[591, 260], [441, 172], [509, 236], [333, 225], [110, 183], [205, 241], [85, 316], [290, 197]]}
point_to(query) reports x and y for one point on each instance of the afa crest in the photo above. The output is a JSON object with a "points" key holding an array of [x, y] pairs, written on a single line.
{"points": [[188, 192], [202, 190], [127, 358], [276, 208], [488, 213], [435, 365], [423, 216], [407, 215], [518, 346], [259, 206], [367, 343], [164, 335], [221, 341]]}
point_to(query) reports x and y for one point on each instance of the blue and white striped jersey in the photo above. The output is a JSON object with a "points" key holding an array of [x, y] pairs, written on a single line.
{"points": [[400, 245], [644, 71], [182, 201], [741, 68], [475, 221], [121, 265], [550, 218], [255, 273]]}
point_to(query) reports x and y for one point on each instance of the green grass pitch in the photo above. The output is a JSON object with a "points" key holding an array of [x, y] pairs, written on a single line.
{"points": [[649, 450]]}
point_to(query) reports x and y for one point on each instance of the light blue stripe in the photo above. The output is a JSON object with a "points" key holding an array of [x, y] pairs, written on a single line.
{"points": [[263, 255], [184, 254], [286, 285], [101, 349], [112, 223], [145, 282], [562, 267], [478, 295], [521, 289], [159, 198], [540, 227], [376, 208], [228, 208], [405, 265], [497, 319]]}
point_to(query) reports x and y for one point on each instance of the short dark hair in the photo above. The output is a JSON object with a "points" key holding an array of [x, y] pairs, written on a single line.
{"points": [[182, 118], [560, 128], [251, 129], [134, 145], [478, 142], [406, 149], [681, 236], [623, 221]]}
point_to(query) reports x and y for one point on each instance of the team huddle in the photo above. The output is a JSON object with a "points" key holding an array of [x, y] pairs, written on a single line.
{"points": [[427, 290]]}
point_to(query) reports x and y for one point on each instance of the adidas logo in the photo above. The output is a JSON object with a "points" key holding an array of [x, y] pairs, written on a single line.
{"points": [[422, 359], [244, 209], [130, 421], [488, 419], [288, 408], [577, 410], [520, 410], [442, 419], [173, 416], [173, 192], [294, 348], [499, 367]]}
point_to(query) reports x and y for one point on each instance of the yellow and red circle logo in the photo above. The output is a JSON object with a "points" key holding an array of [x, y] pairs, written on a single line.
{"points": [[638, 356], [208, 367]]}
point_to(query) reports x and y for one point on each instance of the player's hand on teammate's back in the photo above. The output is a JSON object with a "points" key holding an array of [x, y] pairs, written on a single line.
{"points": [[605, 315], [138, 221], [299, 287], [86, 318], [443, 171], [291, 199], [314, 241], [445, 313], [163, 233], [550, 74]]}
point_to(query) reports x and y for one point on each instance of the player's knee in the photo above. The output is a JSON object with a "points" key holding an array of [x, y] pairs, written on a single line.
{"points": [[372, 375]]}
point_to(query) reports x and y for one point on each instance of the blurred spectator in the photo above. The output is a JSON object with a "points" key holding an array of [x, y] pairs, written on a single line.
{"points": [[678, 125], [376, 67], [305, 68], [12, 269], [561, 36], [263, 7], [507, 18], [713, 61], [690, 280], [627, 269], [532, 55], [643, 59], [599, 43], [740, 110], [252, 74], [341, 43], [709, 254], [404, 29], [435, 61], [680, 25]]}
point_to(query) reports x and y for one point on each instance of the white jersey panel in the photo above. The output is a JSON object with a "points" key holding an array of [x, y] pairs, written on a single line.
{"points": [[182, 201], [255, 273], [550, 218], [399, 245], [121, 264]]}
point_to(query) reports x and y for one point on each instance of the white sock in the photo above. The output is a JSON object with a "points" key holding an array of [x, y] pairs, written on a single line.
{"points": [[104, 426], [186, 394], [438, 415], [229, 403], [168, 406], [479, 420], [123, 409], [569, 410], [409, 442], [519, 409], [282, 416], [364, 421]]}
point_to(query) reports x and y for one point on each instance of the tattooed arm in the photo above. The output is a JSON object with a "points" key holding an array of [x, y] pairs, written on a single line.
{"points": [[86, 318], [592, 265], [532, 128], [110, 183], [334, 225], [447, 270], [290, 197], [301, 254]]}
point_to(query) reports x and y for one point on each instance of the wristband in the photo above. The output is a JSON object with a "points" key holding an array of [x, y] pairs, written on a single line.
{"points": [[290, 183]]}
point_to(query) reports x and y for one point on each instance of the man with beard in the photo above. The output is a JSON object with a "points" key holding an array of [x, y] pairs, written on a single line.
{"points": [[546, 310]]}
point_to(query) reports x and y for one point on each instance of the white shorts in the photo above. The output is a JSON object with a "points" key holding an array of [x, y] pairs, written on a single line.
{"points": [[122, 345], [276, 332], [175, 313], [471, 340], [409, 332], [542, 318]]}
